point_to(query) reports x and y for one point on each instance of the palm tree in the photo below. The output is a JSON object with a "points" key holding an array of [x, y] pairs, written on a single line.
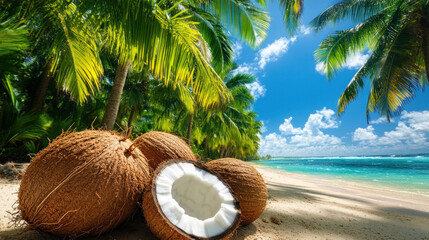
{"points": [[70, 52], [169, 43], [233, 131], [396, 34], [229, 131]]}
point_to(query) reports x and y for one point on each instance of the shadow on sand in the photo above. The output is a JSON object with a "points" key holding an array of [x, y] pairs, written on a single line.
{"points": [[382, 223]]}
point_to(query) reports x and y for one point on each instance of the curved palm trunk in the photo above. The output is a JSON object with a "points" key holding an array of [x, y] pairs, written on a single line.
{"points": [[112, 107], [188, 136], [42, 88]]}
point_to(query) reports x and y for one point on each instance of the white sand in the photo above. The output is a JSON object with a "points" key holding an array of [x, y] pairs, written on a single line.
{"points": [[299, 207]]}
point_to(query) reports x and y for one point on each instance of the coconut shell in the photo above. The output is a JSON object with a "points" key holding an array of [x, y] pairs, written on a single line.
{"points": [[246, 182], [159, 147], [84, 183], [159, 224]]}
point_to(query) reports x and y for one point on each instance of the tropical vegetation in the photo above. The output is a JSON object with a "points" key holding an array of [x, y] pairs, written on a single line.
{"points": [[108, 64], [142, 65], [396, 35]]}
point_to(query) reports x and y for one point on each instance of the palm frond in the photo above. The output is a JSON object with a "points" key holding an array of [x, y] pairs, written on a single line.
{"points": [[239, 79], [399, 76], [292, 11], [167, 42], [246, 20], [334, 50], [28, 126], [73, 50], [13, 37], [356, 10], [214, 34]]}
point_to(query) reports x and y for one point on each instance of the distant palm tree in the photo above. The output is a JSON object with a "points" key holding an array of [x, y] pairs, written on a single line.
{"points": [[396, 33], [232, 131], [229, 131]]}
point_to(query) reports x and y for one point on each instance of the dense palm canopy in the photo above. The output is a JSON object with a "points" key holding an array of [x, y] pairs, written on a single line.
{"points": [[396, 34], [69, 44], [155, 64]]}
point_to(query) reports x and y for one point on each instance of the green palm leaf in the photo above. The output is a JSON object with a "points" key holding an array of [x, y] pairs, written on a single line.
{"points": [[356, 10], [292, 13], [73, 50], [335, 49], [243, 17], [167, 43]]}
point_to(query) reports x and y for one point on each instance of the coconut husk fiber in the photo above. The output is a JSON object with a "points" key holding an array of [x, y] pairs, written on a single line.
{"points": [[159, 224], [83, 183], [159, 147], [246, 182]]}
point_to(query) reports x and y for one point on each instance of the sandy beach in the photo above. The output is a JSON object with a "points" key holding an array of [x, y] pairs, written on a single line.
{"points": [[299, 207]]}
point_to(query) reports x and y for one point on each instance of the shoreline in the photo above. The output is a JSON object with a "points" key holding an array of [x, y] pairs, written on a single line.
{"points": [[390, 191], [393, 186], [299, 207]]}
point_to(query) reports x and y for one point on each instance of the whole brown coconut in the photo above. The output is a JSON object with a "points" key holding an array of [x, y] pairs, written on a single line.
{"points": [[84, 183], [159, 147], [186, 200], [247, 183]]}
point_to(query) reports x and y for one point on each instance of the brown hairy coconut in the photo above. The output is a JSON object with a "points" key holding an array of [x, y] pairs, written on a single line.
{"points": [[246, 182], [186, 200], [159, 147], [83, 183]]}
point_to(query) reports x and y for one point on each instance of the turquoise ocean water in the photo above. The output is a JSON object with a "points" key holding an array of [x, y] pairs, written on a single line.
{"points": [[406, 172]]}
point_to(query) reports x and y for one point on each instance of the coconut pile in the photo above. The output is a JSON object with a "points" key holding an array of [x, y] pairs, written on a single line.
{"points": [[89, 182]]}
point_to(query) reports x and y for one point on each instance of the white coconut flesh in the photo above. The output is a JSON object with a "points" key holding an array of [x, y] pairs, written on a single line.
{"points": [[195, 200]]}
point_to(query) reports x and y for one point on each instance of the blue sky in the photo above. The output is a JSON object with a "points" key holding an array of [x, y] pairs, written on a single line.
{"points": [[297, 104]]}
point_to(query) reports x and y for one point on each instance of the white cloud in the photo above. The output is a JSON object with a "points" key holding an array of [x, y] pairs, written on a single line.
{"points": [[304, 30], [353, 62], [256, 89], [409, 135], [237, 48], [356, 61], [364, 134], [321, 68], [287, 128], [309, 140], [274, 51], [417, 120], [410, 132], [245, 68], [380, 120]]}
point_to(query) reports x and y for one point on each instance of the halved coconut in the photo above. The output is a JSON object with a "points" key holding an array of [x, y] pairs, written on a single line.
{"points": [[186, 200]]}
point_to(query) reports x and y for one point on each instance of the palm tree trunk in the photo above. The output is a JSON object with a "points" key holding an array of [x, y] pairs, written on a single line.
{"points": [[42, 88], [206, 148], [130, 119], [188, 136], [112, 107], [222, 152]]}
